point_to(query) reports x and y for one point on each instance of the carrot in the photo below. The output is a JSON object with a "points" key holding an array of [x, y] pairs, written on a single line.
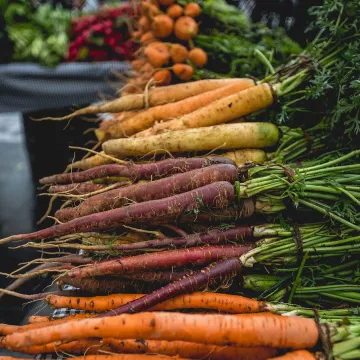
{"points": [[174, 11], [222, 270], [221, 111], [136, 172], [178, 53], [216, 195], [192, 9], [185, 28], [77, 188], [156, 96], [148, 118], [168, 348], [90, 162], [144, 23], [164, 277], [137, 64], [147, 37], [162, 77], [228, 136], [243, 155], [157, 55], [102, 286], [183, 71], [141, 192], [162, 26], [198, 57], [88, 346], [239, 330], [211, 237], [34, 319], [190, 350], [226, 303], [6, 329], [296, 355], [159, 260], [124, 357]]}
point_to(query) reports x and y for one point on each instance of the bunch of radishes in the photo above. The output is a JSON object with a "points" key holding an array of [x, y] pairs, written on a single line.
{"points": [[103, 36]]}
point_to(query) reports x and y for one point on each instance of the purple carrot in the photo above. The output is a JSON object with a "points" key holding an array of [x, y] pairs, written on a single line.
{"points": [[158, 189], [221, 270], [157, 276], [217, 195], [81, 188], [211, 237], [32, 273], [232, 214], [160, 260], [137, 171]]}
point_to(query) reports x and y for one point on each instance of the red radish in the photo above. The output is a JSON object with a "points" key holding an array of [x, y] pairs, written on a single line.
{"points": [[223, 270], [198, 57], [160, 260], [135, 172], [192, 9], [174, 11], [162, 26], [216, 195], [185, 28], [141, 192]]}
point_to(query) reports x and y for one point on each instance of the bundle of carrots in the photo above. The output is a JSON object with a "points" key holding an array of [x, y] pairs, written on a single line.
{"points": [[248, 232]]}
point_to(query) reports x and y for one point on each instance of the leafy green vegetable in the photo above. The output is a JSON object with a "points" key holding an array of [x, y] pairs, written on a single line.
{"points": [[39, 34]]}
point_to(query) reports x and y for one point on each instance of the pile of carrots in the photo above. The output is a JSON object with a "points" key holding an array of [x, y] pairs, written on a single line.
{"points": [[165, 32], [177, 222]]}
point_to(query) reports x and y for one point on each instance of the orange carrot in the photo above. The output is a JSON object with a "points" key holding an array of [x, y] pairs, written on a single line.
{"points": [[189, 350], [144, 23], [192, 9], [296, 355], [88, 346], [34, 319], [124, 357], [147, 118], [178, 53], [147, 37], [199, 300], [185, 28], [239, 330], [162, 77], [174, 11], [220, 111], [162, 26], [198, 57], [6, 329], [183, 71], [157, 96]]}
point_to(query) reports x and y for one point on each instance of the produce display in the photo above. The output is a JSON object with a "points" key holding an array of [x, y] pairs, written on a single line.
{"points": [[220, 218], [48, 34]]}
